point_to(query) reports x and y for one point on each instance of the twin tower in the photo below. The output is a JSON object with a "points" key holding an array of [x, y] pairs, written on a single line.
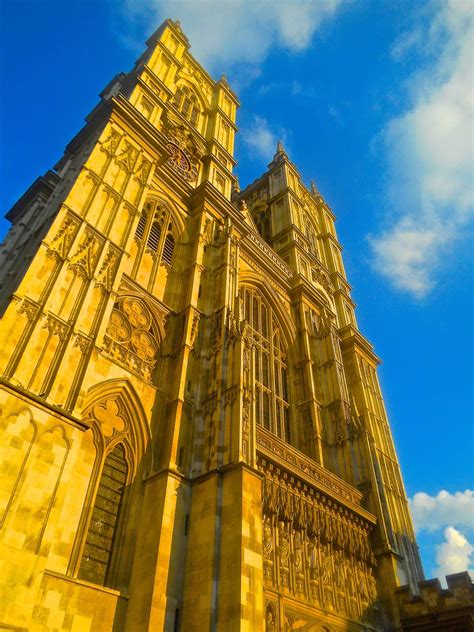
{"points": [[195, 437]]}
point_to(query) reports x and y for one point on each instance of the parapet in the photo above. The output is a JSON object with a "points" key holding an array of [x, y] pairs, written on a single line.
{"points": [[437, 608]]}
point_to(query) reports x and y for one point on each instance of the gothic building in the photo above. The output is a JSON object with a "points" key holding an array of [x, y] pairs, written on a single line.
{"points": [[193, 433]]}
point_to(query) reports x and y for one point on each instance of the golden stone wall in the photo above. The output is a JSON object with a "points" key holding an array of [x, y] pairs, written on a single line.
{"points": [[258, 486]]}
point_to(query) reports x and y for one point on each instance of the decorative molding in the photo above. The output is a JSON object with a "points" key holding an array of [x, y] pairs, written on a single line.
{"points": [[273, 447]]}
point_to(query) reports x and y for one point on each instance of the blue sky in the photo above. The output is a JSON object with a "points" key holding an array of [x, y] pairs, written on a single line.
{"points": [[373, 100]]}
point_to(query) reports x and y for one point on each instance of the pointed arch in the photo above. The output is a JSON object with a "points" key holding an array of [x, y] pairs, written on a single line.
{"points": [[261, 284], [186, 80], [271, 333], [154, 195], [156, 234], [113, 411], [110, 402]]}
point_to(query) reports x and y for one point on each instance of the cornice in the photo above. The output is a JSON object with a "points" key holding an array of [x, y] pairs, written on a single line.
{"points": [[308, 471], [353, 340]]}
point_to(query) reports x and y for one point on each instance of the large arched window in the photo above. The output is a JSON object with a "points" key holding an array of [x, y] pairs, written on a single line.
{"points": [[187, 103], [270, 365], [155, 238], [106, 532]]}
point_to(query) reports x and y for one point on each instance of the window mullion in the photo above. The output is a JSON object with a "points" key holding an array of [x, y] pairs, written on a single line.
{"points": [[159, 251], [144, 240]]}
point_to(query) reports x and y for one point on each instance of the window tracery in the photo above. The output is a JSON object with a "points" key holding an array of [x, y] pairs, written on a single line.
{"points": [[311, 236], [271, 398], [155, 239], [131, 337], [120, 435], [187, 103]]}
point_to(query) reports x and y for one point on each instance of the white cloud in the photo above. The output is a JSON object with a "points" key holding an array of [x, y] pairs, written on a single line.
{"points": [[436, 512], [225, 32], [454, 555], [430, 150], [260, 139]]}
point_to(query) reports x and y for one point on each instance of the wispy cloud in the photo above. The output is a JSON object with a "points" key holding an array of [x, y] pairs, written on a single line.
{"points": [[430, 152], [228, 32], [260, 138], [405, 43], [431, 513], [454, 555]]}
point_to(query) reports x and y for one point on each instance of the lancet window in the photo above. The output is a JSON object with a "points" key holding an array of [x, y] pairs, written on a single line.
{"points": [[261, 217], [187, 103], [155, 238], [270, 388], [101, 535], [310, 233]]}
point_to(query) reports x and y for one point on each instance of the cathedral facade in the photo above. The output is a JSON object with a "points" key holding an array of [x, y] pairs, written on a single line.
{"points": [[193, 432]]}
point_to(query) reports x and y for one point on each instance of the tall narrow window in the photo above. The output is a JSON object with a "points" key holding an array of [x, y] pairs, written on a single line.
{"points": [[100, 539], [270, 365], [187, 103], [155, 240], [261, 217], [311, 236]]}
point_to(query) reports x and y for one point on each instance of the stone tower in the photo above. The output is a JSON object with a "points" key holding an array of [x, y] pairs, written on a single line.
{"points": [[193, 432]]}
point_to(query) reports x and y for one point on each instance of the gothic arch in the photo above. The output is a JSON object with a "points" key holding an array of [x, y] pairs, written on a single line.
{"points": [[114, 412], [185, 80], [260, 284], [154, 195], [271, 358], [262, 219]]}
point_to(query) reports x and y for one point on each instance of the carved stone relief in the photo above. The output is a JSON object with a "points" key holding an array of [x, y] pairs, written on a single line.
{"points": [[314, 549], [132, 337]]}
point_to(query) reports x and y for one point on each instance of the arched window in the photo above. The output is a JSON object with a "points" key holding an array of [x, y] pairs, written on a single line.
{"points": [[270, 365], [261, 217], [155, 238], [187, 103], [97, 553], [310, 233]]}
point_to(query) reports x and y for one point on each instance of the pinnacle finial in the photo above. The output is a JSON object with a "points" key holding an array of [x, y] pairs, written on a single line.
{"points": [[236, 185], [234, 196], [314, 188], [280, 152]]}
